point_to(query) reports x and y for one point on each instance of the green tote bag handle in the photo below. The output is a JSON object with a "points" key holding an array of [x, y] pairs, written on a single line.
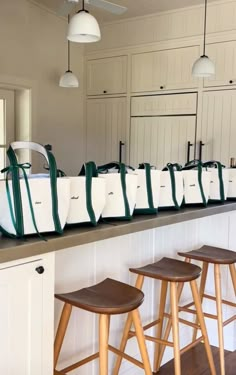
{"points": [[219, 166], [198, 165], [89, 170], [148, 168], [171, 168], [11, 153]]}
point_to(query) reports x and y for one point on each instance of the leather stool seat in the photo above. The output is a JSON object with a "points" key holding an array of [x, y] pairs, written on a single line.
{"points": [[211, 254], [170, 270], [108, 297]]}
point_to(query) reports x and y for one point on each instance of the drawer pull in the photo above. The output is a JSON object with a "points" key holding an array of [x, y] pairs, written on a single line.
{"points": [[231, 81], [40, 270], [104, 91]]}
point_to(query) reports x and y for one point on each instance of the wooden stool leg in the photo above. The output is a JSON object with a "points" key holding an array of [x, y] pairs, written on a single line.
{"points": [[141, 341], [164, 286], [233, 276], [201, 292], [175, 326], [200, 316], [219, 317], [103, 344], [138, 284], [61, 330], [168, 328]]}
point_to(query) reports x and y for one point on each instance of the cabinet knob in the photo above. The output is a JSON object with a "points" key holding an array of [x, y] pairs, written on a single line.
{"points": [[162, 87], [231, 81], [104, 91], [40, 270]]}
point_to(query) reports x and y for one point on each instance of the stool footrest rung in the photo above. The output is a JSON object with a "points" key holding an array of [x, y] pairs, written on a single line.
{"points": [[230, 320], [191, 345], [152, 324], [224, 301], [80, 363], [126, 356]]}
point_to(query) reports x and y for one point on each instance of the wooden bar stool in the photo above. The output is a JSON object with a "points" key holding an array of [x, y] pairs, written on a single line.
{"points": [[176, 273], [218, 257], [107, 298]]}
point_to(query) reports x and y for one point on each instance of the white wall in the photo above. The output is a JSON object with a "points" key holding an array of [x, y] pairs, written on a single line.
{"points": [[33, 55]]}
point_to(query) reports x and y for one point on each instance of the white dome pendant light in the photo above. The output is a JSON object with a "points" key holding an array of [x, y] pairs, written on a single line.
{"points": [[203, 67], [83, 27], [68, 79]]}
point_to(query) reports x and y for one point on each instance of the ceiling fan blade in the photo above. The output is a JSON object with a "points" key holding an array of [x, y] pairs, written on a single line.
{"points": [[106, 5], [66, 7]]}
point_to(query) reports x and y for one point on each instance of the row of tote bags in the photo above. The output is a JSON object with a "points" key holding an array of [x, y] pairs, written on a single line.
{"points": [[45, 203]]}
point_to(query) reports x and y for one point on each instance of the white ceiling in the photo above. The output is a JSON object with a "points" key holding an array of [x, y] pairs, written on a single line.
{"points": [[135, 7]]}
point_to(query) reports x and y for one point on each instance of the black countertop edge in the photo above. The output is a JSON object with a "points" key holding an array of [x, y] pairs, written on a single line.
{"points": [[12, 249]]}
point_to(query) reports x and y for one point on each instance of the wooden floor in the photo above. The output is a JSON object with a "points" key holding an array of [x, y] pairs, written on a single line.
{"points": [[194, 362]]}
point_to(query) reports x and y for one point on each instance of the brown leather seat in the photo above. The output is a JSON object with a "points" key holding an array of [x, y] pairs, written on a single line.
{"points": [[211, 254], [108, 297], [170, 270]]}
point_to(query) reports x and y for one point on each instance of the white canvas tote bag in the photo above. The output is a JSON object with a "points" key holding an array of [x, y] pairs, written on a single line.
{"points": [[32, 205], [171, 187], [232, 184], [219, 181], [121, 190], [87, 196], [196, 183], [148, 189]]}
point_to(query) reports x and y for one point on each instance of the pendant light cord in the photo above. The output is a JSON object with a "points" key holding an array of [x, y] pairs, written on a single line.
{"points": [[205, 19], [68, 49]]}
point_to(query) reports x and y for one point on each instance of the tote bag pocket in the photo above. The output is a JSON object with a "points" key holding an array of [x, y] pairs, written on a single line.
{"points": [[171, 187], [121, 190], [87, 196], [232, 184], [219, 181], [196, 183]]}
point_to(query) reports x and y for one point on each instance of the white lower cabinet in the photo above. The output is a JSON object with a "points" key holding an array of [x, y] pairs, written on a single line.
{"points": [[26, 317]]}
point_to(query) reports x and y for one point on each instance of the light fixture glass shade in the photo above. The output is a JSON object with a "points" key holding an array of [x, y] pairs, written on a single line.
{"points": [[68, 79], [203, 67], [83, 28]]}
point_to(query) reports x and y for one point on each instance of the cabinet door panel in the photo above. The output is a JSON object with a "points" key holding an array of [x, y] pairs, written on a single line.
{"points": [[159, 140], [164, 70], [106, 126], [224, 57], [107, 76], [26, 326], [218, 125]]}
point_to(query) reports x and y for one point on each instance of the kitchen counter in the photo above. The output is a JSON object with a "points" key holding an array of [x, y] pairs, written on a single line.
{"points": [[14, 249]]}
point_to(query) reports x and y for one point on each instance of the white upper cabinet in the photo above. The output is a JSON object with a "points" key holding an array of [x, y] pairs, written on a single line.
{"points": [[107, 76], [218, 126], [170, 104], [224, 57], [164, 70], [106, 128]]}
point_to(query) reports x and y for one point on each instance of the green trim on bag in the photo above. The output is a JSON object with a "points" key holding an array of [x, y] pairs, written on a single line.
{"points": [[53, 183], [219, 166], [89, 170], [123, 185], [145, 211], [9, 170]]}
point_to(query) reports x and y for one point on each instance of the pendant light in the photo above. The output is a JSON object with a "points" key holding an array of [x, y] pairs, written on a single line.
{"points": [[68, 79], [203, 67], [83, 27]]}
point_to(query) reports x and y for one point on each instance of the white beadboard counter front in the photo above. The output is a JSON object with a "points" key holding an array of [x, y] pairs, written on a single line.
{"points": [[85, 255]]}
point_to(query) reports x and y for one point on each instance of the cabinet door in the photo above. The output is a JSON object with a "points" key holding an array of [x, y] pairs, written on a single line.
{"points": [[224, 57], [106, 127], [107, 76], [160, 140], [164, 70], [218, 125], [26, 319]]}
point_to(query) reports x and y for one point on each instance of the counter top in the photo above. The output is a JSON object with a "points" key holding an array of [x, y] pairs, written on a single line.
{"points": [[14, 249]]}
